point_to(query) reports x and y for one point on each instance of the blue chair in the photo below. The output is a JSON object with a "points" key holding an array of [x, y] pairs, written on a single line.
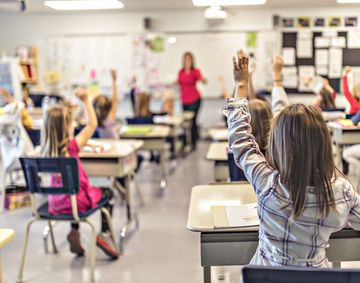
{"points": [[235, 173], [140, 121], [36, 172], [256, 274], [34, 135]]}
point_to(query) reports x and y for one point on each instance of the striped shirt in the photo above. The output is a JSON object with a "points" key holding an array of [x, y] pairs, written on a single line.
{"points": [[283, 240]]}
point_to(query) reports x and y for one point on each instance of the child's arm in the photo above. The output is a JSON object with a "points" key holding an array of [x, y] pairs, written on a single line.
{"points": [[279, 99], [353, 102], [353, 199], [114, 100], [242, 143], [87, 132], [6, 96]]}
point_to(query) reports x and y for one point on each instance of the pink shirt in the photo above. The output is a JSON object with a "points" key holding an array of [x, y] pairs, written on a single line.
{"points": [[88, 196], [187, 82]]}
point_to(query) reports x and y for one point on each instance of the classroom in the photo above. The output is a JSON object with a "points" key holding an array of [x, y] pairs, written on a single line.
{"points": [[153, 141]]}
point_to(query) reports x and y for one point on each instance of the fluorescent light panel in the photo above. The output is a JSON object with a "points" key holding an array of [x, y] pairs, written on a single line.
{"points": [[228, 2], [215, 12], [348, 1], [71, 5]]}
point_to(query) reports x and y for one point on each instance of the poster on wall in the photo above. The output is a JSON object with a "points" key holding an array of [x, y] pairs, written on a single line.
{"points": [[288, 22], [303, 22], [334, 22], [319, 22], [353, 39], [304, 48], [351, 21], [290, 77], [289, 56], [306, 77], [251, 40], [335, 63]]}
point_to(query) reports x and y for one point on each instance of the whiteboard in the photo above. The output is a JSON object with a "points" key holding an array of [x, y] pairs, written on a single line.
{"points": [[75, 55]]}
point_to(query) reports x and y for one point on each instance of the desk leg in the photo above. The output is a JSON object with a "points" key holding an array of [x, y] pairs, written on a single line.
{"points": [[207, 274], [163, 181], [132, 217]]}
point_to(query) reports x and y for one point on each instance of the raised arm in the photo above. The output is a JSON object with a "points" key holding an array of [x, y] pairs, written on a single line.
{"points": [[242, 143], [353, 102], [91, 125], [114, 99], [279, 98]]}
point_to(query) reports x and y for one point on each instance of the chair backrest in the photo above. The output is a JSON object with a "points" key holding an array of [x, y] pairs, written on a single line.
{"points": [[236, 174], [34, 135], [140, 121], [66, 167], [254, 274]]}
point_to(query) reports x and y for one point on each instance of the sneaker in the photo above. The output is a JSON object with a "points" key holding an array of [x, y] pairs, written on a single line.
{"points": [[106, 245], [75, 244]]}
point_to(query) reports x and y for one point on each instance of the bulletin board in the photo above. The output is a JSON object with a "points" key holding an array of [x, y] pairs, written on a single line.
{"points": [[351, 56]]}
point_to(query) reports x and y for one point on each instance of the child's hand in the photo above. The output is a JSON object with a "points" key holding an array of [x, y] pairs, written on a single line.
{"points": [[6, 95], [278, 64], [348, 70], [113, 74], [241, 73], [82, 94]]}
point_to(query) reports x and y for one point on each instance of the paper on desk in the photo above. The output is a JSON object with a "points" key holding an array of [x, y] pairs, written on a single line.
{"points": [[321, 57], [96, 147], [304, 48], [335, 62], [289, 56], [290, 77], [242, 215]]}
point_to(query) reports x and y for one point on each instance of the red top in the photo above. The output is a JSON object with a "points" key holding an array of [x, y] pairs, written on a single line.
{"points": [[187, 82], [88, 196], [354, 104]]}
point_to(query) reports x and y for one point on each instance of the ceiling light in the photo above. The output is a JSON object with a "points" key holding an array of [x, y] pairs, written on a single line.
{"points": [[68, 5], [215, 12], [347, 1], [227, 2]]}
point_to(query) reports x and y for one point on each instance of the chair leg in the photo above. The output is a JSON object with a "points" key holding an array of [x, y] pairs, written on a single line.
{"points": [[109, 221], [93, 251], [23, 254], [51, 231], [138, 190], [45, 238]]}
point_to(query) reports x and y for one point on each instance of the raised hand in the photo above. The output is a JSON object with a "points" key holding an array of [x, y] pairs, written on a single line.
{"points": [[241, 73], [82, 94], [6, 95], [113, 74], [348, 70], [278, 64]]}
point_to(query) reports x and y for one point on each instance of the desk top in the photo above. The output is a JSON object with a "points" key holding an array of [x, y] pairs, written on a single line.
{"points": [[338, 126], [6, 236], [156, 132], [220, 134], [203, 197], [118, 148], [176, 120], [218, 151]]}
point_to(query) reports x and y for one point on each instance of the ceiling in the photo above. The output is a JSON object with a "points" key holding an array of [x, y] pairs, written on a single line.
{"points": [[163, 5]]}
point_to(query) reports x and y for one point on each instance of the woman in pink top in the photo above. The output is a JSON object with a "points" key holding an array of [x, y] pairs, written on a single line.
{"points": [[190, 96], [58, 141]]}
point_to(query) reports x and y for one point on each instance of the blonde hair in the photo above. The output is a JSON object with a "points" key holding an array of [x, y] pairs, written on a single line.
{"points": [[142, 105], [55, 136], [261, 117], [168, 102], [300, 149], [102, 105]]}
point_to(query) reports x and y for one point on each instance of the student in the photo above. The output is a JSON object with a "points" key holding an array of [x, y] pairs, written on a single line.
{"points": [[142, 106], [302, 199], [354, 96], [57, 141], [325, 99], [105, 110]]}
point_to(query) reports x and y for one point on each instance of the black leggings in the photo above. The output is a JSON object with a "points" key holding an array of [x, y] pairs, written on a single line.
{"points": [[194, 107], [106, 194]]}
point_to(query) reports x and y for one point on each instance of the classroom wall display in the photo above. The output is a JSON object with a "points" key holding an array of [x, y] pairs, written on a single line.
{"points": [[303, 22], [319, 22], [335, 22], [288, 22], [10, 78], [351, 21]]}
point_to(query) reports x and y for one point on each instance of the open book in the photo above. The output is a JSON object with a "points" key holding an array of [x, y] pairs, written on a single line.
{"points": [[235, 216], [96, 147]]}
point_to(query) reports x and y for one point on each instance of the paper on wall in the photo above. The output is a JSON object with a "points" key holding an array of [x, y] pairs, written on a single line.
{"points": [[353, 39], [330, 33], [322, 70], [304, 48], [322, 42], [339, 42], [290, 77], [289, 56], [321, 57], [335, 62], [304, 34], [306, 77]]}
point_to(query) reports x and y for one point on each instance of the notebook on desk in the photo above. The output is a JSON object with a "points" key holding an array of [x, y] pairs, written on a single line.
{"points": [[96, 147], [235, 216], [137, 130]]}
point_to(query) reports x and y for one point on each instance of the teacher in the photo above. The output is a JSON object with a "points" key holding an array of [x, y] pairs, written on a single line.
{"points": [[190, 96]]}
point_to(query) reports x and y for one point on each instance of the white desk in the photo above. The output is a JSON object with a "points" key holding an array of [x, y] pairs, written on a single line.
{"points": [[218, 134], [221, 247], [343, 136], [155, 140], [119, 162], [218, 153], [6, 236]]}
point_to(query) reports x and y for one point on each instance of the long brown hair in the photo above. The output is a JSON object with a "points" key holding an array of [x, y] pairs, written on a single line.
{"points": [[102, 105], [55, 136], [327, 100], [189, 54], [300, 149], [142, 108], [261, 117]]}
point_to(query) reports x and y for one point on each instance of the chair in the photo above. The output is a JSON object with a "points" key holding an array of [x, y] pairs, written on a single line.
{"points": [[37, 171], [236, 174], [140, 121], [256, 274], [34, 135], [6, 236]]}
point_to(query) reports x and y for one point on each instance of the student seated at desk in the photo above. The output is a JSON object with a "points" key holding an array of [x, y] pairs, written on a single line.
{"points": [[302, 198], [325, 99], [58, 141], [353, 96]]}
